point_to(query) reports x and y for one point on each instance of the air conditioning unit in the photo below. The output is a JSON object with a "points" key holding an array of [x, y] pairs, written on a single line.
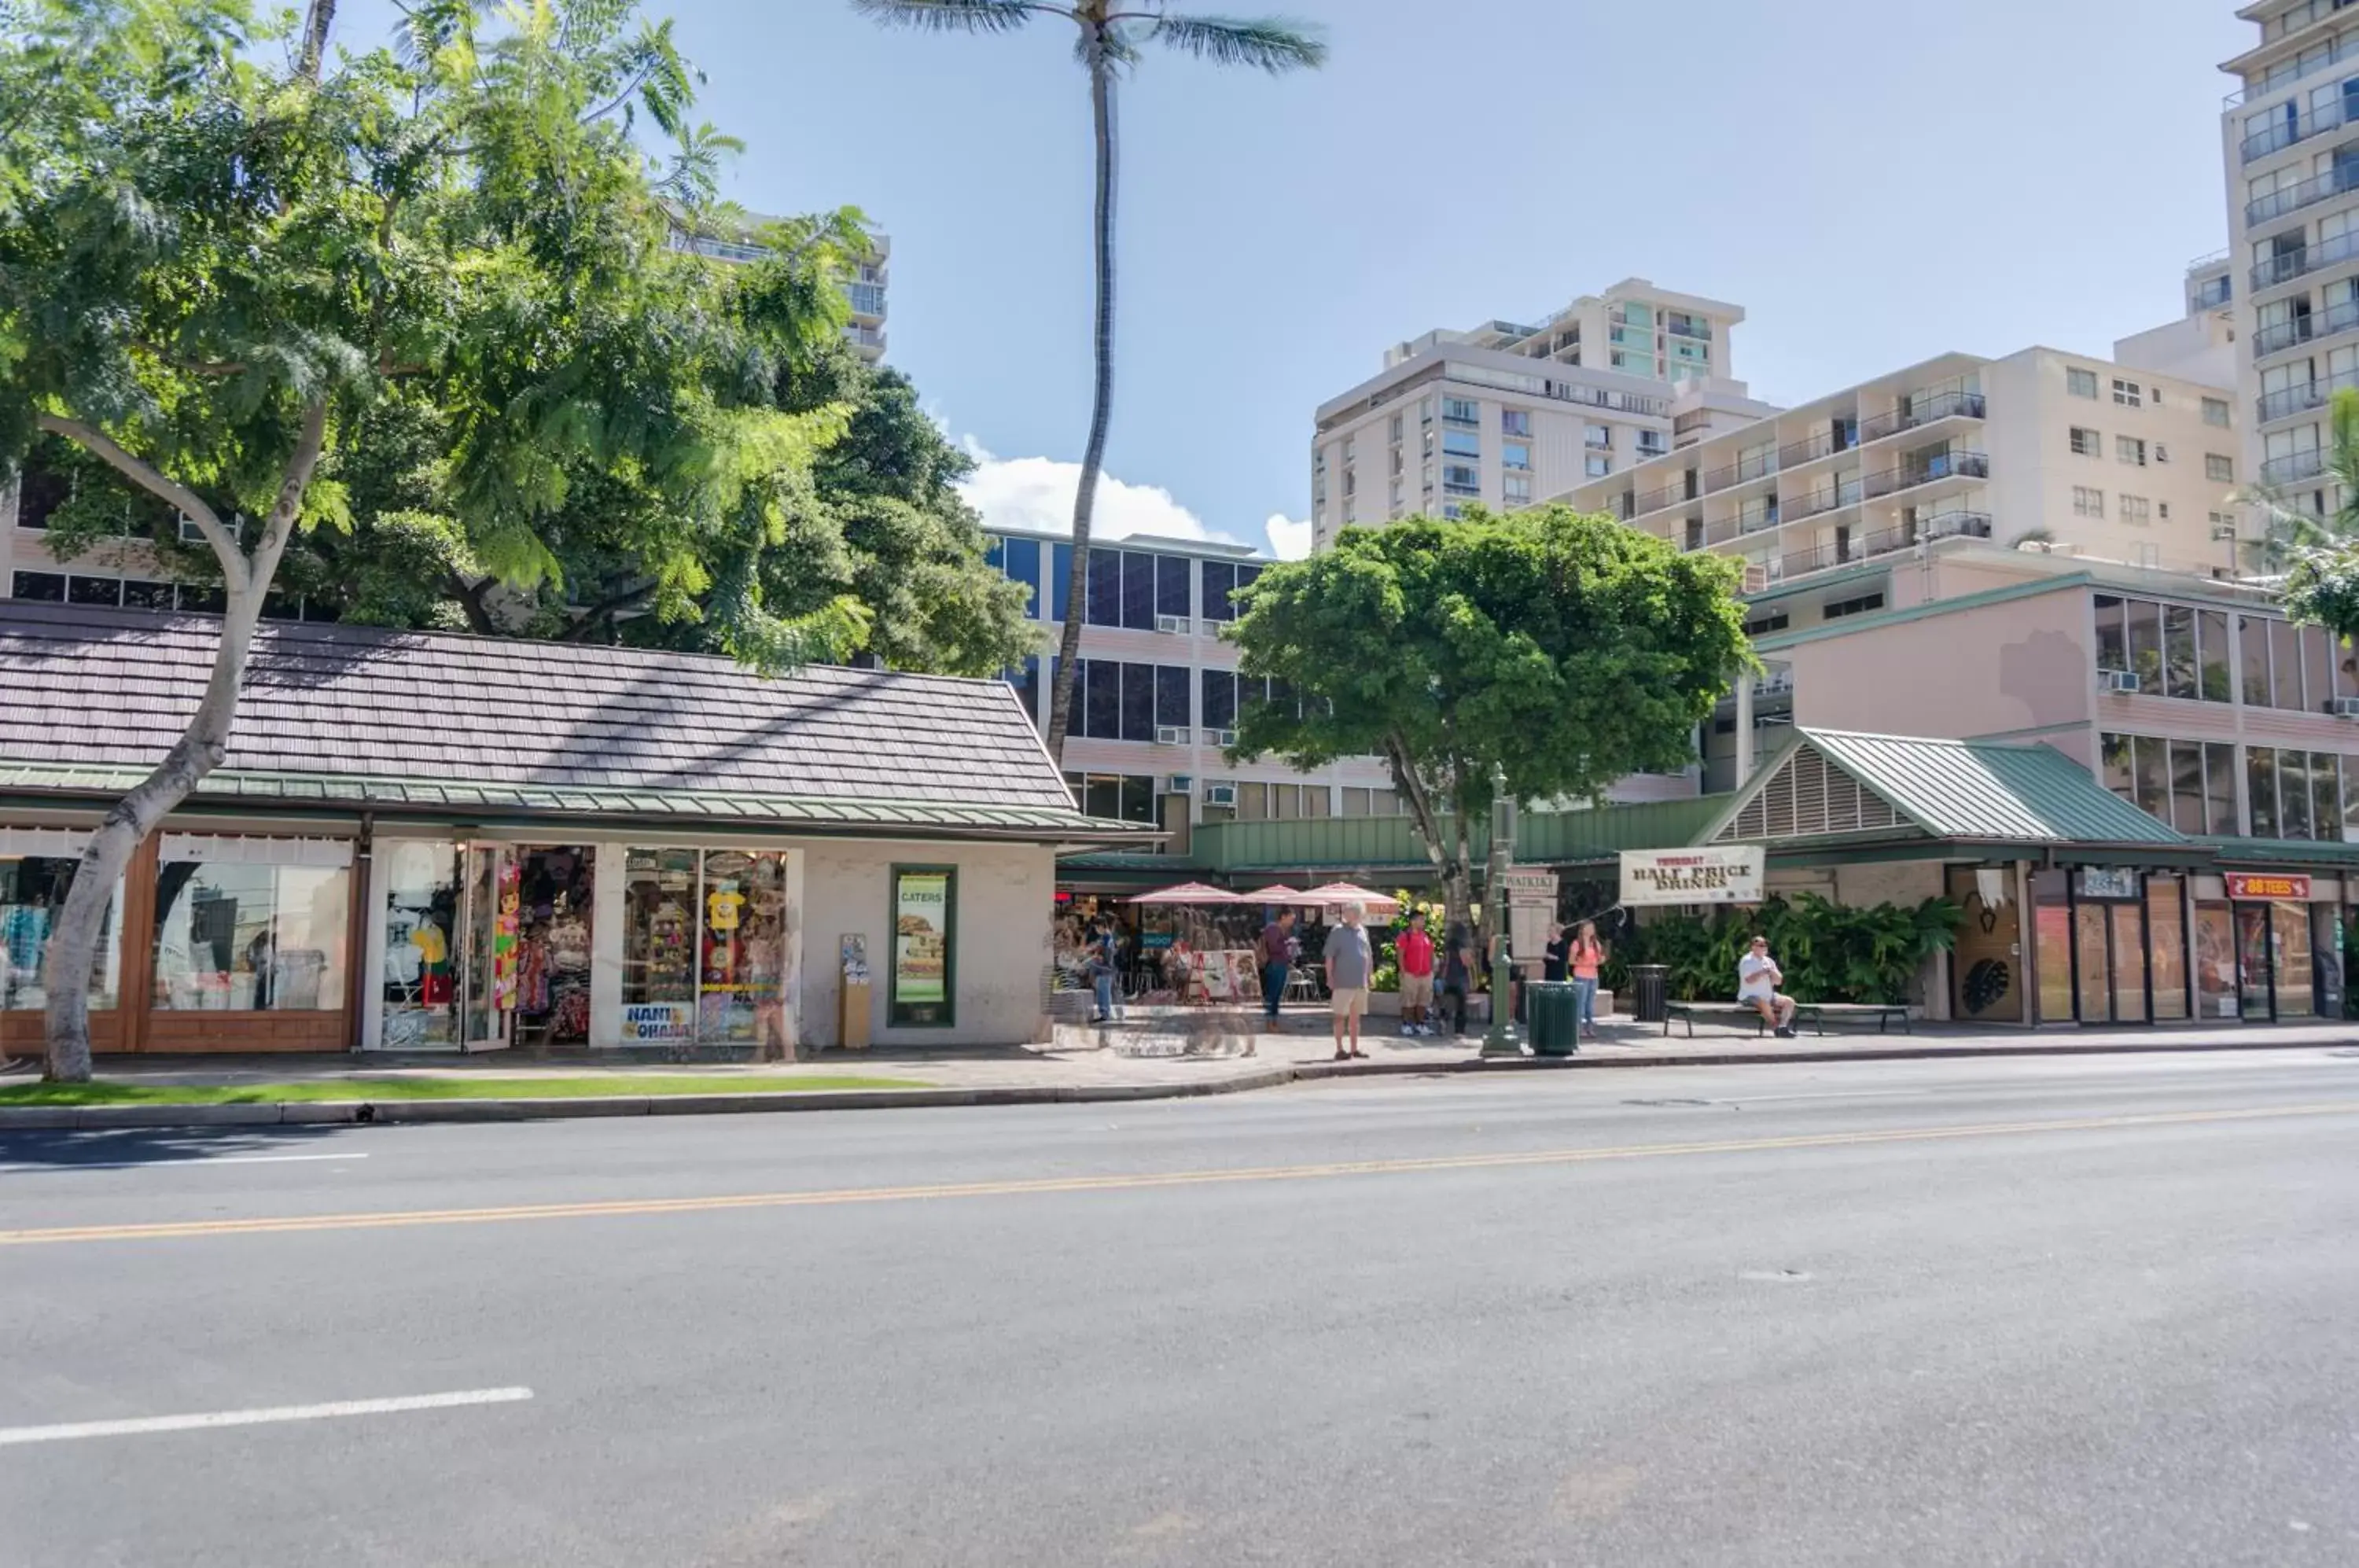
{"points": [[1220, 737], [1174, 624], [1756, 577], [2344, 707], [1171, 735], [1180, 784], [2123, 680], [1220, 795]]}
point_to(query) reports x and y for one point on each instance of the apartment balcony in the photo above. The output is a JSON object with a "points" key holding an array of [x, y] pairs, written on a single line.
{"points": [[2301, 399], [1701, 332], [2293, 468], [1920, 413], [1758, 522], [1910, 476], [2292, 129], [1824, 499], [2335, 181], [2285, 72], [1742, 472], [1668, 495], [2285, 268], [2317, 325], [1809, 448], [1851, 553]]}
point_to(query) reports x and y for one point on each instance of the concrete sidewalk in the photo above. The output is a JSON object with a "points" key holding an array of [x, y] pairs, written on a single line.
{"points": [[1147, 1058]]}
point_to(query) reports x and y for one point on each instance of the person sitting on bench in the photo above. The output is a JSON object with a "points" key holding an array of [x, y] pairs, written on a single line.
{"points": [[1757, 979]]}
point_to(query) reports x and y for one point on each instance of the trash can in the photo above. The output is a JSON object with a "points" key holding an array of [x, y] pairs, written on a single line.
{"points": [[1651, 983], [1555, 1022]]}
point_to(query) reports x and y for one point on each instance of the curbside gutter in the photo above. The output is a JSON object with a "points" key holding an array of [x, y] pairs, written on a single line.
{"points": [[331, 1112]]}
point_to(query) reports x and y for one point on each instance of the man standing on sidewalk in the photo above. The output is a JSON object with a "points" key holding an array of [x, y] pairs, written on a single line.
{"points": [[1277, 956], [1415, 950], [1350, 965]]}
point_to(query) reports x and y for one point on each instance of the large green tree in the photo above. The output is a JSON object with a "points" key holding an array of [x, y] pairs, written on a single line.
{"points": [[1562, 651], [224, 261], [1111, 36]]}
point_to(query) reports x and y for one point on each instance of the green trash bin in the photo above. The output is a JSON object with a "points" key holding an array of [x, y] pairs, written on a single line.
{"points": [[1554, 1007]]}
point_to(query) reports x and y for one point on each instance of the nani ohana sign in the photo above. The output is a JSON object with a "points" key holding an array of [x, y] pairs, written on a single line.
{"points": [[1719, 874]]}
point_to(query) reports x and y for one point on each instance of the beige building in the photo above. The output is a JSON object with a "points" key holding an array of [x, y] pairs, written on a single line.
{"points": [[2290, 143], [2067, 453], [1511, 412]]}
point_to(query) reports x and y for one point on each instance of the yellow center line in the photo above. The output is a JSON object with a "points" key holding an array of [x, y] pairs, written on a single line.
{"points": [[170, 1230]]}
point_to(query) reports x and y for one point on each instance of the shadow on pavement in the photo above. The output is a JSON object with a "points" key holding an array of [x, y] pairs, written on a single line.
{"points": [[127, 1149]]}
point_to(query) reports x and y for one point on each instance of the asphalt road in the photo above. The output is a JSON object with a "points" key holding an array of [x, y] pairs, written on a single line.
{"points": [[2082, 1312]]}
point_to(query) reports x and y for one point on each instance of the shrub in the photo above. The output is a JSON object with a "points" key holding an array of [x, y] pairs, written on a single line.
{"points": [[1829, 953]]}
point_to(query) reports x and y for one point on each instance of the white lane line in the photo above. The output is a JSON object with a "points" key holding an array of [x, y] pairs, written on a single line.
{"points": [[1842, 1094], [186, 1159], [73, 1429]]}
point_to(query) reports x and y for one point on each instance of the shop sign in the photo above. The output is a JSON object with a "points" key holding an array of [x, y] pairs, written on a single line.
{"points": [[1715, 874], [658, 1020], [2293, 889], [924, 930], [2109, 882]]}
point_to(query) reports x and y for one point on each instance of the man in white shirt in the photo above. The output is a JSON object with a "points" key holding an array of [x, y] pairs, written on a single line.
{"points": [[1757, 979]]}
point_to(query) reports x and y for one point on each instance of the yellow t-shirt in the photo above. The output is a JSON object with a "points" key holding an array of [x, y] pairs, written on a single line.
{"points": [[432, 948]]}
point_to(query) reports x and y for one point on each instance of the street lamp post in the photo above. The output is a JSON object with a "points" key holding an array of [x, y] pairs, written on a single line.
{"points": [[1500, 1040]]}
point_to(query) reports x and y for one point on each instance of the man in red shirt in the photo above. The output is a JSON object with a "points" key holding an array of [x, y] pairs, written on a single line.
{"points": [[1415, 950]]}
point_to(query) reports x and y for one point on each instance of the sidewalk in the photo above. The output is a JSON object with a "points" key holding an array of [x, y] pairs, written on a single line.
{"points": [[1149, 1056]]}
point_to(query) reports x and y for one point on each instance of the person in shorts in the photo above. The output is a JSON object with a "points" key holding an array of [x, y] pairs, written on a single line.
{"points": [[1758, 979], [1350, 966], [1415, 951]]}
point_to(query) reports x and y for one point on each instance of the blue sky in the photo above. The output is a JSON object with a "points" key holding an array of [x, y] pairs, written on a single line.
{"points": [[1874, 180]]}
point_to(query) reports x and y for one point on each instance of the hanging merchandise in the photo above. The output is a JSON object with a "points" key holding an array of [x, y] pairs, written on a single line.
{"points": [[504, 939]]}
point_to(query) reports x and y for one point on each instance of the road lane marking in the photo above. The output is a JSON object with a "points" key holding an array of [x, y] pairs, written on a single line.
{"points": [[72, 1431], [1136, 1181], [174, 1160]]}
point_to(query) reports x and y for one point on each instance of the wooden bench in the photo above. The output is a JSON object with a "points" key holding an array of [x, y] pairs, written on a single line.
{"points": [[1815, 1014]]}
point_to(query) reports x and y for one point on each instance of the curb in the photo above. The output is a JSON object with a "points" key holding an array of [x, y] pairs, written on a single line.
{"points": [[331, 1112]]}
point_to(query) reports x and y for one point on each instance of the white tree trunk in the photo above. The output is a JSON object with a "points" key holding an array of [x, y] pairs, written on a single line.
{"points": [[73, 944]]}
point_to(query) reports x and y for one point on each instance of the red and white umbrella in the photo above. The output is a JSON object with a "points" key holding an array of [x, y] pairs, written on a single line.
{"points": [[1188, 893]]}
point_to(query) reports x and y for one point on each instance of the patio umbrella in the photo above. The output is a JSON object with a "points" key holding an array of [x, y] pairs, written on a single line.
{"points": [[1188, 893], [1370, 901], [1276, 893]]}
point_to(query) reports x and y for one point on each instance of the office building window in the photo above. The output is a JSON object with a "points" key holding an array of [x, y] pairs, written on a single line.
{"points": [[2161, 453], [1350, 482], [2088, 502], [1171, 697], [1461, 411], [1393, 427], [2125, 393], [1858, 607], [2087, 443], [1020, 560], [1597, 465], [1516, 422], [1653, 443], [1462, 443], [2218, 469], [2215, 411], [2081, 383], [1515, 489], [1515, 455], [1222, 579], [2130, 449], [47, 587], [1173, 588], [1599, 437], [1460, 479], [2136, 509]]}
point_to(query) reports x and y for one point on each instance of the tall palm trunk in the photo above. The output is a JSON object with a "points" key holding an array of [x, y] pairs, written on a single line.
{"points": [[321, 17], [1077, 583]]}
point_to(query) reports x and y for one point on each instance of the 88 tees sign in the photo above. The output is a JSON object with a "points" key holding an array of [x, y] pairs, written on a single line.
{"points": [[2295, 889]]}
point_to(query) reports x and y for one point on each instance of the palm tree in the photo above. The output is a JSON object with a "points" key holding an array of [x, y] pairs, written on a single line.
{"points": [[1114, 34], [2314, 554]]}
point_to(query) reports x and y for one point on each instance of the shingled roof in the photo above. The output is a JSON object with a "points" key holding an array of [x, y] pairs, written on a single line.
{"points": [[94, 692]]}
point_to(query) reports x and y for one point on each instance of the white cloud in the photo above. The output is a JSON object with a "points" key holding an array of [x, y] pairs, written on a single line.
{"points": [[1037, 494], [1288, 540]]}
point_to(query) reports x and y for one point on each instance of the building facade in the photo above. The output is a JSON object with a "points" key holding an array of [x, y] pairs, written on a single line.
{"points": [[1158, 696], [865, 291], [1509, 413], [2290, 135]]}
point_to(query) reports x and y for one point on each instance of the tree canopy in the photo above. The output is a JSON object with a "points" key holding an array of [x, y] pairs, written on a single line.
{"points": [[2316, 553], [1562, 651]]}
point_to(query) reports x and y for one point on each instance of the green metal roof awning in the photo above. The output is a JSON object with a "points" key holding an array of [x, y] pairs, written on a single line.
{"points": [[1824, 786], [440, 797]]}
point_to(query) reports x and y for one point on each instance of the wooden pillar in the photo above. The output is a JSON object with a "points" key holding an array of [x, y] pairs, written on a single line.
{"points": [[138, 941], [357, 936]]}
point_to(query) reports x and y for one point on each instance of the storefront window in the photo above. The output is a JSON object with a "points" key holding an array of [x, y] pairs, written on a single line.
{"points": [[660, 929], [2211, 647], [2052, 921], [2261, 784], [421, 925], [32, 895], [550, 996], [244, 925], [2215, 962], [2178, 651], [746, 968], [2166, 941], [2088, 962]]}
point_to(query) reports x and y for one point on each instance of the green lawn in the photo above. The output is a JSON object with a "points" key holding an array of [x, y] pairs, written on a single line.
{"points": [[622, 1085]]}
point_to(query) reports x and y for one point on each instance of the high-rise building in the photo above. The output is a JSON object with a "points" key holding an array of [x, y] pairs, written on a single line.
{"points": [[864, 289], [2290, 137], [1511, 412]]}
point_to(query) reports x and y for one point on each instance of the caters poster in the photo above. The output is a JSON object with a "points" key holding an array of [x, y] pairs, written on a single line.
{"points": [[1716, 874]]}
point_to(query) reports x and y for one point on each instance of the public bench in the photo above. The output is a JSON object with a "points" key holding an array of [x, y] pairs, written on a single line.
{"points": [[1815, 1014]]}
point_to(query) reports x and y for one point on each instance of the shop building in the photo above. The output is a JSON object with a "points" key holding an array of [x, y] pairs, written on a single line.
{"points": [[425, 842]]}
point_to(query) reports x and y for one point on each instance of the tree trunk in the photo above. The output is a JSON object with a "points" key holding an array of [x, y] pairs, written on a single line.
{"points": [[73, 943], [1449, 868], [321, 17], [1077, 583]]}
